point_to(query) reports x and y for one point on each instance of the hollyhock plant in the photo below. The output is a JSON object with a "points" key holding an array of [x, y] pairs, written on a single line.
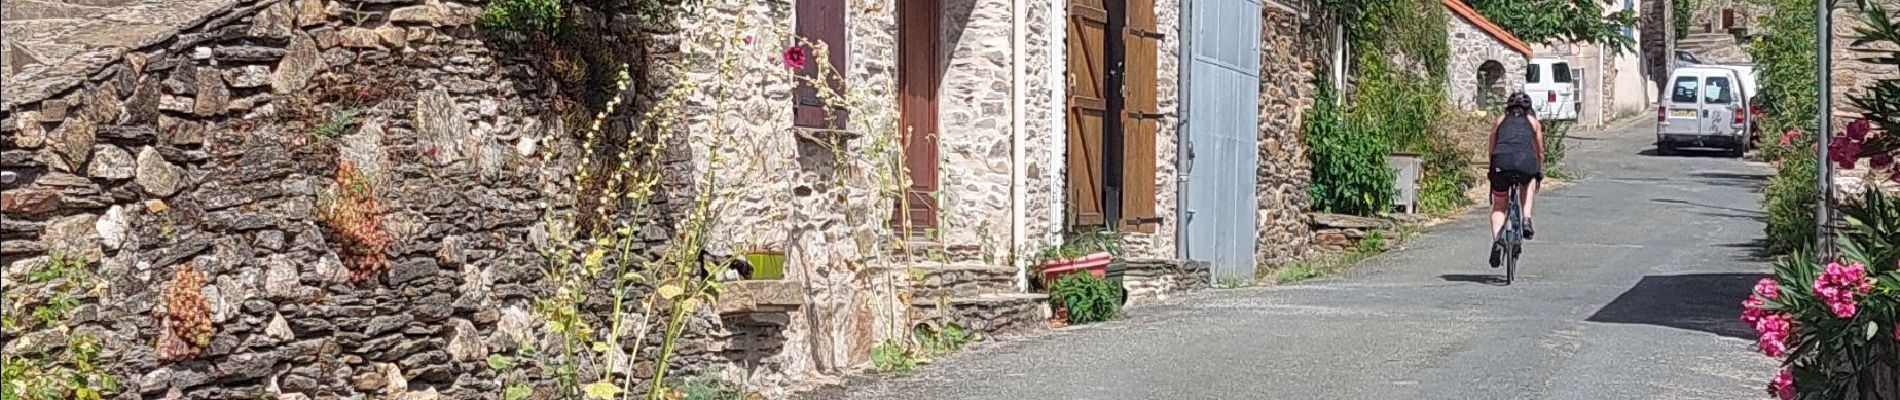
{"points": [[794, 57]]}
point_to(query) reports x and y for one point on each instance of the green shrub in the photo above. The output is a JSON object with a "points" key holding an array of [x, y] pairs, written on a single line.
{"points": [[943, 339], [708, 388], [1447, 177], [1789, 199], [524, 17], [1683, 10], [1087, 298], [891, 357], [1349, 169]]}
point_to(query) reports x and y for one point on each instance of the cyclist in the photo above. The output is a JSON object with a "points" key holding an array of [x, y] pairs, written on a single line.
{"points": [[1517, 159]]}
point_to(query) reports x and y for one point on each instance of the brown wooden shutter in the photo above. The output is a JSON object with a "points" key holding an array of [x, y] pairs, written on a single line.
{"points": [[820, 21], [1140, 117], [1087, 109]]}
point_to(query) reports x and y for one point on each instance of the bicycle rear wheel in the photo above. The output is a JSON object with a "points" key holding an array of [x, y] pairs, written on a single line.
{"points": [[1513, 236]]}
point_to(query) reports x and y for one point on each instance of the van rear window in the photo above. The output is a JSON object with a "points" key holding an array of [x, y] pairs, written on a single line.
{"points": [[1534, 73], [1718, 91], [1685, 90], [1562, 72]]}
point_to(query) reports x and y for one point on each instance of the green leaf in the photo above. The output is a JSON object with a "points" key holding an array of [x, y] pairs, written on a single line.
{"points": [[516, 392], [500, 362], [603, 390], [670, 291]]}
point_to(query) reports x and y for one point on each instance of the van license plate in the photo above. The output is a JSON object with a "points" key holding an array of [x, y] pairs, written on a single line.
{"points": [[1682, 113]]}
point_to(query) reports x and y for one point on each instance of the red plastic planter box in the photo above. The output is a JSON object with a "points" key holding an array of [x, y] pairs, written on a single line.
{"points": [[1096, 264]]}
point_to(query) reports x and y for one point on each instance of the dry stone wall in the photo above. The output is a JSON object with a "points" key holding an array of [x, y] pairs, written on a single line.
{"points": [[1286, 90], [217, 150]]}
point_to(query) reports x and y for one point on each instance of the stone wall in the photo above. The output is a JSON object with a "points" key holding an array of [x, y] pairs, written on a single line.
{"points": [[974, 121], [1658, 41], [1470, 49], [217, 147], [1286, 90], [1707, 16], [1155, 279], [1852, 75]]}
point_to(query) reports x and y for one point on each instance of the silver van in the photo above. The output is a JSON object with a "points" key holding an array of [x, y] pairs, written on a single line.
{"points": [[1703, 107]]}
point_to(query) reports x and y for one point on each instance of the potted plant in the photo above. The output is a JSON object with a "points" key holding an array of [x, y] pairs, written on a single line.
{"points": [[1089, 251]]}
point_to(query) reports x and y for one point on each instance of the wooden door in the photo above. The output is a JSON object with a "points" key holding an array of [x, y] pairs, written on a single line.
{"points": [[1087, 110], [918, 74], [1140, 118]]}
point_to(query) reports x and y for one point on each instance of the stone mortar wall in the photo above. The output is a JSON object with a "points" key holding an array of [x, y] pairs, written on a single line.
{"points": [[1707, 16], [1161, 241], [1045, 135], [1851, 75], [1286, 90], [1156, 279], [1470, 48], [974, 138], [212, 147], [209, 149]]}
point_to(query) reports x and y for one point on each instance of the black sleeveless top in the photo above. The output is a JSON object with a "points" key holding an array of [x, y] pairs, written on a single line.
{"points": [[1516, 136]]}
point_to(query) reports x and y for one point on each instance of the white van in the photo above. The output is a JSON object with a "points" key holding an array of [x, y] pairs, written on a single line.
{"points": [[1553, 89], [1703, 107]]}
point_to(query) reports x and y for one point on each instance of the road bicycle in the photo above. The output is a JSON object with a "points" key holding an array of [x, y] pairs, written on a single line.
{"points": [[1511, 238]]}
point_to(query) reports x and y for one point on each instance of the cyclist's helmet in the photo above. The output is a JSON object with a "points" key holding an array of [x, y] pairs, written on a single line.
{"points": [[1518, 104]]}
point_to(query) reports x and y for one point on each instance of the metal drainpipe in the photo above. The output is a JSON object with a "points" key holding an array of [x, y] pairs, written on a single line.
{"points": [[1018, 193], [1822, 214], [1184, 147]]}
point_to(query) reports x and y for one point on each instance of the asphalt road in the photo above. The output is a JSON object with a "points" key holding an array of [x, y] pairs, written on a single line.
{"points": [[1631, 291]]}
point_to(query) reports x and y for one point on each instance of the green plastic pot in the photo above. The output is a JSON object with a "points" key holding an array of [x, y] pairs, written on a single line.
{"points": [[766, 264]]}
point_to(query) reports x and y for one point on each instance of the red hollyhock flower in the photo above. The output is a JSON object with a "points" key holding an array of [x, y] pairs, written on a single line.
{"points": [[794, 57]]}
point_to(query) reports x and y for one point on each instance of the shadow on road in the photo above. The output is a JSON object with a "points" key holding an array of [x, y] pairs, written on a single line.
{"points": [[1493, 280], [1745, 213], [1686, 153], [1730, 176], [1752, 251], [1701, 302]]}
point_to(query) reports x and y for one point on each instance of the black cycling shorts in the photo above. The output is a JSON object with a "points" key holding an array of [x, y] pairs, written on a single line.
{"points": [[1511, 169]]}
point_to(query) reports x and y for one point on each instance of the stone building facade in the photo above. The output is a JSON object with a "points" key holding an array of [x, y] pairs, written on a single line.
{"points": [[1484, 57]]}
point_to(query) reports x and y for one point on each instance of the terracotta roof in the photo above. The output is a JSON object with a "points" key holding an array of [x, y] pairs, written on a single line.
{"points": [[1483, 24]]}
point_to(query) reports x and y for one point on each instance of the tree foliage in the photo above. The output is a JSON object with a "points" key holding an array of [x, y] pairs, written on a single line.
{"points": [[1545, 21]]}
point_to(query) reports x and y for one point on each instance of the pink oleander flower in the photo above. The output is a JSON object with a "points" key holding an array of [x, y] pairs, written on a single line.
{"points": [[1838, 286], [1774, 329], [1788, 137], [1767, 288], [794, 57], [1783, 386], [1880, 161], [748, 39], [1857, 130], [1844, 153]]}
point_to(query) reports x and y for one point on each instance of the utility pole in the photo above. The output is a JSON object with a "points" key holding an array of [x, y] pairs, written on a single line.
{"points": [[1824, 232]]}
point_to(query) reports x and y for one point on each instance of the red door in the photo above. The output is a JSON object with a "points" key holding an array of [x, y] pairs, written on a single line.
{"points": [[917, 101]]}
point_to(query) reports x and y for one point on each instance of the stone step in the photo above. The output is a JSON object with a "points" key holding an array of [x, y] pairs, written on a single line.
{"points": [[934, 281], [991, 314]]}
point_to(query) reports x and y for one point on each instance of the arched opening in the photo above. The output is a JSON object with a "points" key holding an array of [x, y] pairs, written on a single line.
{"points": [[1491, 90]]}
